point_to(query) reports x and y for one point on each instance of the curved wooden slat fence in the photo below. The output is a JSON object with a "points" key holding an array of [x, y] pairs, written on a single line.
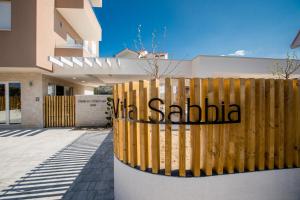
{"points": [[267, 135]]}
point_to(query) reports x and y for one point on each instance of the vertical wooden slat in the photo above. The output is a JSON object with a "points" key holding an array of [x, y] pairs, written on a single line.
{"points": [[56, 111], [289, 135], [66, 111], [143, 132], [146, 126], [133, 131], [53, 111], [45, 112], [216, 129], [240, 100], [222, 133], [250, 124], [60, 110], [232, 131], [209, 130], [125, 124], [182, 150], [50, 112], [74, 106], [195, 129], [296, 126], [155, 148], [260, 123], [279, 123], [120, 123], [226, 131], [69, 111], [114, 122], [168, 127], [129, 96], [203, 130], [63, 111], [270, 122]]}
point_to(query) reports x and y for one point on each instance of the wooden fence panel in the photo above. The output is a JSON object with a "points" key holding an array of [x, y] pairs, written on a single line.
{"points": [[59, 111]]}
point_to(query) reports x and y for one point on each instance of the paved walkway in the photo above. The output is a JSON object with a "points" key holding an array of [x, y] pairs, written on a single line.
{"points": [[82, 169]]}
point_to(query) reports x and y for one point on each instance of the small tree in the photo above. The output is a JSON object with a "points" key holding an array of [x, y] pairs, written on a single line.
{"points": [[154, 65], [286, 70]]}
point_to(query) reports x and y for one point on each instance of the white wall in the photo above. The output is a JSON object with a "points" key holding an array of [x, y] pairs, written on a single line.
{"points": [[90, 110], [228, 66], [132, 184]]}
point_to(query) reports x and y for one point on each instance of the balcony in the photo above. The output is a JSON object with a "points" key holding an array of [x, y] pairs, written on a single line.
{"points": [[76, 50], [80, 15]]}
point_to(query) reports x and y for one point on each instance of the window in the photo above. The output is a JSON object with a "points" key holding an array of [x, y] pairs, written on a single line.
{"points": [[70, 40], [5, 15], [94, 48], [51, 90], [58, 90]]}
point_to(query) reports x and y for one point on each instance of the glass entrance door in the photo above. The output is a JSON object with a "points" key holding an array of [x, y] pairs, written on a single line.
{"points": [[10, 103], [14, 103]]}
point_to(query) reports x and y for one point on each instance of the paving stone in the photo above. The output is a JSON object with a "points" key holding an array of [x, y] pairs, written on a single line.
{"points": [[82, 167]]}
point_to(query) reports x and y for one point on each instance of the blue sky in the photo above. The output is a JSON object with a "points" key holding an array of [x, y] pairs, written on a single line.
{"points": [[252, 28]]}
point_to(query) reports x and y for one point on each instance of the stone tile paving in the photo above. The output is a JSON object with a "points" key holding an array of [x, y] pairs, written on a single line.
{"points": [[81, 170], [21, 150]]}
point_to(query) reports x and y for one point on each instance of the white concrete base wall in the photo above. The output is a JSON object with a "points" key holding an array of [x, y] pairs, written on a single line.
{"points": [[132, 184], [90, 110]]}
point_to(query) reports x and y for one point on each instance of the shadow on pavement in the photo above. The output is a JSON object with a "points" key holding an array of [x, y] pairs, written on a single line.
{"points": [[82, 170], [20, 132]]}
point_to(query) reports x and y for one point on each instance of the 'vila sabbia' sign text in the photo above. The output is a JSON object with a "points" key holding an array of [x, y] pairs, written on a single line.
{"points": [[222, 114]]}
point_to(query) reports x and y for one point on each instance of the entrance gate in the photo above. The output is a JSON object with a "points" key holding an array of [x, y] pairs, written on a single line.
{"points": [[59, 111]]}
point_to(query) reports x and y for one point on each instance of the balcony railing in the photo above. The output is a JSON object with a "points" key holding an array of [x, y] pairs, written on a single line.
{"points": [[77, 48]]}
